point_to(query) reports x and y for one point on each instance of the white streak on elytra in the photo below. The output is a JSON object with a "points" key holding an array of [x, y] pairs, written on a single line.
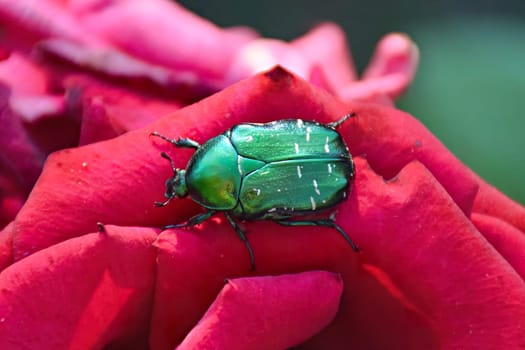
{"points": [[300, 123], [316, 188], [249, 138], [308, 131], [257, 191], [296, 145], [239, 164], [344, 194], [299, 171], [313, 202], [272, 210], [326, 147], [329, 168]]}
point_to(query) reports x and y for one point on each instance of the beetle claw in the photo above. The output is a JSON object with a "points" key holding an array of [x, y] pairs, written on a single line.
{"points": [[101, 228], [161, 204]]}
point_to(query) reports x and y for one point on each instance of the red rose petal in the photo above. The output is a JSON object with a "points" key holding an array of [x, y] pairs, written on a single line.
{"points": [[272, 312], [395, 53], [35, 108], [390, 139], [20, 163], [321, 56], [88, 292], [96, 123], [411, 229], [153, 41], [23, 76], [23, 160], [194, 263], [327, 45], [263, 54], [492, 202], [192, 266], [10, 205], [509, 241], [424, 271], [110, 110], [114, 64], [33, 21], [389, 73], [433, 257]]}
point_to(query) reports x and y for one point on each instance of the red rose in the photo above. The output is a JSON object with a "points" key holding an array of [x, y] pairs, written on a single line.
{"points": [[441, 263]]}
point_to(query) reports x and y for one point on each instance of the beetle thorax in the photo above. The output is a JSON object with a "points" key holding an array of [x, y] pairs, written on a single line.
{"points": [[212, 176]]}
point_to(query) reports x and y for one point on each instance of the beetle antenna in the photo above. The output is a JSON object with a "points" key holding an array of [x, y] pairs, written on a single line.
{"points": [[173, 167], [159, 135]]}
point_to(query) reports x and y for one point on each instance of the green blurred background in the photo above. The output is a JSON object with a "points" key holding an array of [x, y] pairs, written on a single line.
{"points": [[470, 86]]}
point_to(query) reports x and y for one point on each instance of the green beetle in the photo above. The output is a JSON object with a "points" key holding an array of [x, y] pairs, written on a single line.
{"points": [[277, 171]]}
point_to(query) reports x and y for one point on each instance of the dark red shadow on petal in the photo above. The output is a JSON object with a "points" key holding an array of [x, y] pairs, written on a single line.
{"points": [[6, 247], [110, 110], [111, 64], [492, 202], [272, 312], [20, 162], [505, 238], [93, 291]]}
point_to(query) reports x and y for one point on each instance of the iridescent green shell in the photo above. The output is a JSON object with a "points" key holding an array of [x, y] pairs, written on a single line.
{"points": [[271, 171]]}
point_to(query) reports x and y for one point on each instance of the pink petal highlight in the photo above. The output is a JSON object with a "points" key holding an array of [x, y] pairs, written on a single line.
{"points": [[389, 73], [23, 76], [326, 45], [36, 20], [263, 54], [177, 38], [395, 53]]}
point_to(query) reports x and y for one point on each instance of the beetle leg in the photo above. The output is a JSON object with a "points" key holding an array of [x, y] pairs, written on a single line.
{"points": [[335, 125], [242, 235], [180, 142], [328, 223], [194, 220]]}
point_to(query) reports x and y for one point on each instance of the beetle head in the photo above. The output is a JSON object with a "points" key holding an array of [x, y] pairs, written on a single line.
{"points": [[176, 185]]}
